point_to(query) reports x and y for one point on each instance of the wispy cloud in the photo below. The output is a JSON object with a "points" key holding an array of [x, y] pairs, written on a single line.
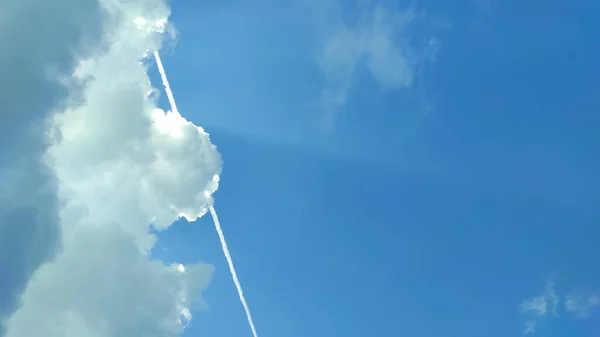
{"points": [[529, 327], [385, 39], [582, 305], [539, 307], [548, 305], [542, 305]]}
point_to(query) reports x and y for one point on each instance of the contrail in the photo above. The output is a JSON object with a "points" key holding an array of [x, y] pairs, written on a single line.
{"points": [[213, 213], [232, 269], [165, 82]]}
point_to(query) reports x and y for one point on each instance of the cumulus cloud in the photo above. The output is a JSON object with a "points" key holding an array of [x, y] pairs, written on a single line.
{"points": [[111, 165], [384, 39], [37, 43]]}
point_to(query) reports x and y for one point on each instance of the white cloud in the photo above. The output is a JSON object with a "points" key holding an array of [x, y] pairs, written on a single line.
{"points": [[120, 164], [544, 304], [582, 305], [383, 38], [529, 327], [548, 303], [539, 307]]}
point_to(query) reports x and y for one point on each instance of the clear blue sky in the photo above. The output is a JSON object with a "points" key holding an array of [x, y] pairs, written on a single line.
{"points": [[436, 208]]}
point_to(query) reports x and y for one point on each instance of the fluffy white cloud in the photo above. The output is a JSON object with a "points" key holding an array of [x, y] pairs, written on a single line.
{"points": [[383, 38], [120, 165]]}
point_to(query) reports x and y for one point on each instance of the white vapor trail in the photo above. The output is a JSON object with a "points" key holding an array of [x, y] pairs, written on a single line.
{"points": [[165, 82], [213, 213]]}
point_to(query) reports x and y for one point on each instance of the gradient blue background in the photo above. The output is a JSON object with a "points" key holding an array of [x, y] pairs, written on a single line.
{"points": [[398, 221]]}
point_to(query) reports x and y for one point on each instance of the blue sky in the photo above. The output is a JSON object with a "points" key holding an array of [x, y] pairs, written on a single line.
{"points": [[437, 208], [422, 168]]}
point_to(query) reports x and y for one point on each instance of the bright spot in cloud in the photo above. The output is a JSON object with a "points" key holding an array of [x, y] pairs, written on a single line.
{"points": [[151, 26]]}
